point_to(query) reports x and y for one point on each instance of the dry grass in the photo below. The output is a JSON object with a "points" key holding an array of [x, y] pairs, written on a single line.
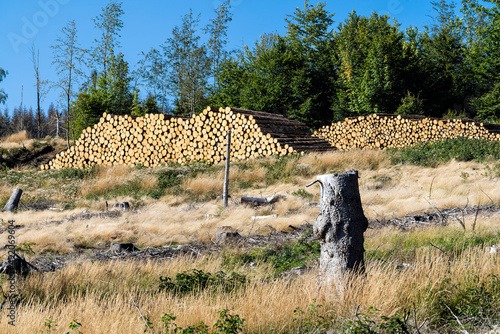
{"points": [[107, 178], [100, 295], [16, 137], [386, 191], [339, 162], [203, 184]]}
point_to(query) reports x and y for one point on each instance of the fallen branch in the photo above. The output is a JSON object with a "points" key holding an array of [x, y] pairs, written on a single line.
{"points": [[262, 201]]}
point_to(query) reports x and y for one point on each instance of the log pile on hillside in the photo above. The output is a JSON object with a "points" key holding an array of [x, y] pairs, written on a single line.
{"points": [[155, 139], [378, 131]]}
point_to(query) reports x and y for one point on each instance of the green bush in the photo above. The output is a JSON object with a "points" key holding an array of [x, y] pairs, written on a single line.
{"points": [[431, 154], [364, 324], [468, 304], [197, 280], [75, 173], [226, 324]]}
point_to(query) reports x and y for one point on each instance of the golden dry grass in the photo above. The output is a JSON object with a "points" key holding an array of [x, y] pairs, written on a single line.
{"points": [[107, 305], [107, 178], [203, 184], [16, 137], [99, 294], [386, 192]]}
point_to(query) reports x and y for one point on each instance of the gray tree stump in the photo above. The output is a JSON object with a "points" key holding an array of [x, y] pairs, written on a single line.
{"points": [[13, 201], [339, 227]]}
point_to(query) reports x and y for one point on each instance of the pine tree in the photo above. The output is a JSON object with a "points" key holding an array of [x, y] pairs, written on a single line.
{"points": [[3, 95]]}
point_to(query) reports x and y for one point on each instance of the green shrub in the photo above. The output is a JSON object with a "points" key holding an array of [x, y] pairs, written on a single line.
{"points": [[226, 324], [431, 154], [364, 324], [468, 304], [302, 193], [75, 173], [311, 320], [197, 280]]}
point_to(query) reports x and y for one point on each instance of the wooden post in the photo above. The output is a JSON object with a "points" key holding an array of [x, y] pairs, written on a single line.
{"points": [[339, 227], [226, 176]]}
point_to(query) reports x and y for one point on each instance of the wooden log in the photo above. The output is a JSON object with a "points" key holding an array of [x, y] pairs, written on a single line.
{"points": [[13, 201]]}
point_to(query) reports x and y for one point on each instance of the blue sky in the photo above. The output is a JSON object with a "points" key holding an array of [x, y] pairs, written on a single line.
{"points": [[148, 23]]}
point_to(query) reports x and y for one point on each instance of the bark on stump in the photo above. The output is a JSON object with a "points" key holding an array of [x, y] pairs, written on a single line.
{"points": [[13, 201], [339, 228]]}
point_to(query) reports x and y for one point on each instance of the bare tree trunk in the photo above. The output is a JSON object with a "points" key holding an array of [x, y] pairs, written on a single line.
{"points": [[13, 201], [339, 227], [226, 174], [58, 117]]}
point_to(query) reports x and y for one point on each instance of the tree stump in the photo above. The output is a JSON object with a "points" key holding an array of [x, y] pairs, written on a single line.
{"points": [[13, 201], [339, 227]]}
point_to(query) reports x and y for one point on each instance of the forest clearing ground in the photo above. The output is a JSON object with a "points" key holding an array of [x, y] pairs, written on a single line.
{"points": [[407, 270]]}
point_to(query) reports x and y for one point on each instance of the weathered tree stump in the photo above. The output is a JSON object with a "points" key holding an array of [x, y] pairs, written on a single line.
{"points": [[119, 247], [13, 201], [16, 265], [339, 227], [125, 206]]}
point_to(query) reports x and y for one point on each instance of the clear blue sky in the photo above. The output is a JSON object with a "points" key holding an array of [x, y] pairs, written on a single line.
{"points": [[148, 23]]}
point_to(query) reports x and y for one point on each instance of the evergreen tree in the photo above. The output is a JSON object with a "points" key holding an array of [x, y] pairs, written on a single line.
{"points": [[150, 106], [137, 109], [5, 124], [310, 43], [3, 95], [111, 94], [231, 78], [292, 75], [118, 86], [447, 83]]}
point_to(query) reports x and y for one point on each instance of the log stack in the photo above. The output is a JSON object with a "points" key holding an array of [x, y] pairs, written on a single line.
{"points": [[156, 139], [379, 131]]}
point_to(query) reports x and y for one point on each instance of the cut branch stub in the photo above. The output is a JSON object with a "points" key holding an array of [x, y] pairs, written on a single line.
{"points": [[340, 226]]}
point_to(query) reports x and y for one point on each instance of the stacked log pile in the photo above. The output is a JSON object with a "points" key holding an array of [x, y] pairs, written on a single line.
{"points": [[378, 131], [156, 139]]}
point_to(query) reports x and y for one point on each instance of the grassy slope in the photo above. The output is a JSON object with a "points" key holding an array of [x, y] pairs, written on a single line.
{"points": [[456, 281]]}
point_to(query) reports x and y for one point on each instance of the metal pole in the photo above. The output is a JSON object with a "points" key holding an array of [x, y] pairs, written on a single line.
{"points": [[226, 176]]}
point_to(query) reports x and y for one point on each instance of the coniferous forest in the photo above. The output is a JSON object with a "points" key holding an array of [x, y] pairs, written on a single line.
{"points": [[317, 72]]}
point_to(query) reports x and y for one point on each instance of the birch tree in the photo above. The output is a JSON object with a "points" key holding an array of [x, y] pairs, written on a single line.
{"points": [[109, 23], [217, 30], [67, 56], [189, 66]]}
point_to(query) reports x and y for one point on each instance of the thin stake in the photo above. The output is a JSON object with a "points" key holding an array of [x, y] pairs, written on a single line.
{"points": [[226, 176]]}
